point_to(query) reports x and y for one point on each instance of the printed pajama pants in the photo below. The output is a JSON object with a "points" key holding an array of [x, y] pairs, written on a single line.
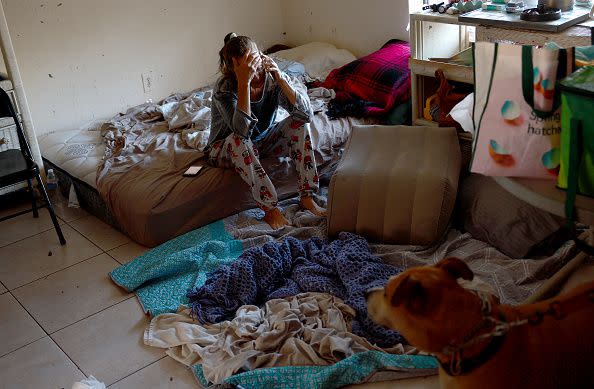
{"points": [[288, 137]]}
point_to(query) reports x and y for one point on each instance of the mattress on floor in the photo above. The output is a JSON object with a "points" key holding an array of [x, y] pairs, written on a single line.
{"points": [[77, 152], [151, 200]]}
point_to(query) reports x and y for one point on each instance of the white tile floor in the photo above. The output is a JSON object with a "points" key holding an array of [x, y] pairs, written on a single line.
{"points": [[61, 318]]}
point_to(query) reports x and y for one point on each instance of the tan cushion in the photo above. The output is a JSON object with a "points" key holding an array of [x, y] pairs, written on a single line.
{"points": [[396, 184]]}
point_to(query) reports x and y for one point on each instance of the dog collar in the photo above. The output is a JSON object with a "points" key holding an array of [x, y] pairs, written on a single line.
{"points": [[457, 364]]}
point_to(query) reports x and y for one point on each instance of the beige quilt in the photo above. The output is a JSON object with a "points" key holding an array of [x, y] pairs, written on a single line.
{"points": [[307, 329]]}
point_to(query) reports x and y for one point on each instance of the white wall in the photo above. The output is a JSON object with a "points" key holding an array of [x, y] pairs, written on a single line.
{"points": [[2, 66], [83, 60], [361, 26]]}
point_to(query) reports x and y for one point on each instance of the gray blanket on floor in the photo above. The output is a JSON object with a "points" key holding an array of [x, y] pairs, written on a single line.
{"points": [[513, 280]]}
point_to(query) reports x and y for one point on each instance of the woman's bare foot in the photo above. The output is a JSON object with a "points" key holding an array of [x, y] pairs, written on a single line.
{"points": [[275, 218], [307, 202]]}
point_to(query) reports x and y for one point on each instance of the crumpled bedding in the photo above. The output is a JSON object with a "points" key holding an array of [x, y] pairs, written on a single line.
{"points": [[309, 329], [194, 111], [344, 268], [192, 116]]}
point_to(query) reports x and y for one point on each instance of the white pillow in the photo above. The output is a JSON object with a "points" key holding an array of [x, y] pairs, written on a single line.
{"points": [[318, 58]]}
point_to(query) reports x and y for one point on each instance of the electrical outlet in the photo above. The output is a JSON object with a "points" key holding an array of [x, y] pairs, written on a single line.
{"points": [[147, 81]]}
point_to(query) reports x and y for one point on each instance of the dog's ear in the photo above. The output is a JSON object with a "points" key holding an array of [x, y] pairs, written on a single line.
{"points": [[412, 293], [456, 267]]}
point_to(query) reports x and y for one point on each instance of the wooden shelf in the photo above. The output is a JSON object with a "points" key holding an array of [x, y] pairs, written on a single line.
{"points": [[435, 35], [452, 72]]}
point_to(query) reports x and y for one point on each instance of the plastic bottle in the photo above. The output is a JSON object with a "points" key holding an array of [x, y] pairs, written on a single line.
{"points": [[52, 180]]}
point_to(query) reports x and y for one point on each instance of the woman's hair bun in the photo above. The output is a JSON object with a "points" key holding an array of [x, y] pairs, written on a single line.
{"points": [[230, 36]]}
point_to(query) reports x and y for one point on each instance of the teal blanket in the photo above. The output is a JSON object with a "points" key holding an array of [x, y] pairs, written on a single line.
{"points": [[162, 276], [356, 369]]}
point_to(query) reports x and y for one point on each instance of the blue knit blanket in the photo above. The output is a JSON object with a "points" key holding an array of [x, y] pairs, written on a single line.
{"points": [[344, 268]]}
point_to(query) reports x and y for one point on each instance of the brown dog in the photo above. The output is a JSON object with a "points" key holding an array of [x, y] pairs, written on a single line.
{"points": [[481, 344]]}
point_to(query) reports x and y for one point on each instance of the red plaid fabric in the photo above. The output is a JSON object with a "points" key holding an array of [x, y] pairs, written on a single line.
{"points": [[380, 79]]}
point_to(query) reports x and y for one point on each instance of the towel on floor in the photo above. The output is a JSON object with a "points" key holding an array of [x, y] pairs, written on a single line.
{"points": [[344, 268], [310, 329], [359, 369]]}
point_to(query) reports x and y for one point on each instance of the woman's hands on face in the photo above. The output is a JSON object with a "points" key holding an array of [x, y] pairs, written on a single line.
{"points": [[270, 66], [246, 67]]}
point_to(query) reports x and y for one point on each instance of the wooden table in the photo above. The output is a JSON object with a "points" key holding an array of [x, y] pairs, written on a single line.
{"points": [[545, 195]]}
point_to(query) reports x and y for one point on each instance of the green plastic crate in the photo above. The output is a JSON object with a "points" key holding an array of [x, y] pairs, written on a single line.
{"points": [[577, 131]]}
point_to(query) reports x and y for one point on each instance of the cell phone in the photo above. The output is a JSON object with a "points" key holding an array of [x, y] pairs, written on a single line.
{"points": [[192, 171]]}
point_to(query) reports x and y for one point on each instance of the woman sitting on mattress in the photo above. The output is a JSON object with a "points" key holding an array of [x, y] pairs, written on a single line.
{"points": [[244, 106]]}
